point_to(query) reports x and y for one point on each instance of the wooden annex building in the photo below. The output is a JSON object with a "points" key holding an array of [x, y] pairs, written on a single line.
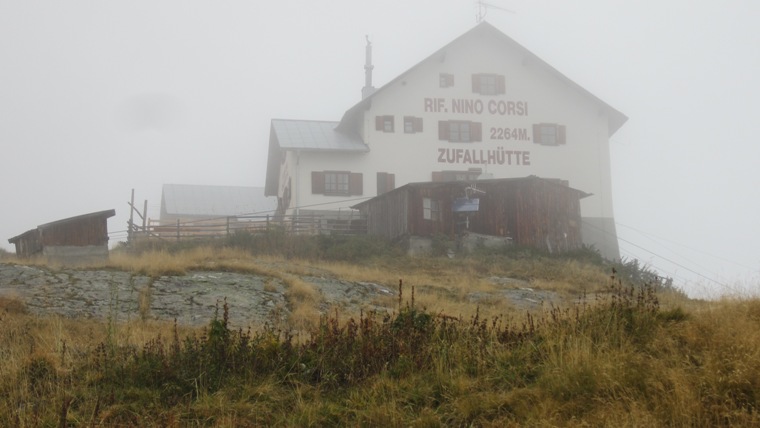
{"points": [[74, 240], [528, 211]]}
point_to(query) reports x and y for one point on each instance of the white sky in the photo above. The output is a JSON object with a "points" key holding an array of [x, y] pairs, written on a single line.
{"points": [[97, 98]]}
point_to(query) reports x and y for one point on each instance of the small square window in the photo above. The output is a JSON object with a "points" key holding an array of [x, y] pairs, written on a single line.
{"points": [[446, 80]]}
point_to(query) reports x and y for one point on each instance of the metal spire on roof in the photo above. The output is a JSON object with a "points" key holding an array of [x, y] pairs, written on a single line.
{"points": [[368, 89], [483, 7]]}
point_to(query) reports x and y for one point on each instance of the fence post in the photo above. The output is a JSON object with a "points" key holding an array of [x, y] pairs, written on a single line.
{"points": [[228, 226], [177, 230], [267, 222]]}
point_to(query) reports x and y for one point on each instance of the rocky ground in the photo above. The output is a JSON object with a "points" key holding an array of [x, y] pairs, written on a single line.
{"points": [[193, 298]]}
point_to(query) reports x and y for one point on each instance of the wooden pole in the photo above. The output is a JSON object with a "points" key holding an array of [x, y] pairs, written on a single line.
{"points": [[131, 217], [145, 216]]}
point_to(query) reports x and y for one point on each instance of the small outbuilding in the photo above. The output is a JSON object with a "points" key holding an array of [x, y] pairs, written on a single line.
{"points": [[75, 240], [529, 211]]}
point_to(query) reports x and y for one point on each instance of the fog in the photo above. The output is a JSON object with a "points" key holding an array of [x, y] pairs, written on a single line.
{"points": [[98, 98]]}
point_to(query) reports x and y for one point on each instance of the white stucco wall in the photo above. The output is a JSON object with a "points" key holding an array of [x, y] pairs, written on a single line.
{"points": [[544, 96]]}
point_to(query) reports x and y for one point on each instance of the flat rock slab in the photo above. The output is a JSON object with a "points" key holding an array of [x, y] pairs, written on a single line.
{"points": [[192, 299], [197, 297]]}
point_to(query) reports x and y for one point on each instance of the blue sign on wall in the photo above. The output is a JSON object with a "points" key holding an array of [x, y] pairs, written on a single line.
{"points": [[465, 205]]}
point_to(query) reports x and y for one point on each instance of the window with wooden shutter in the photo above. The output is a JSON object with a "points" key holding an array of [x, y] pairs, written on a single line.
{"points": [[548, 134], [460, 131], [488, 84], [412, 124], [384, 123], [336, 183]]}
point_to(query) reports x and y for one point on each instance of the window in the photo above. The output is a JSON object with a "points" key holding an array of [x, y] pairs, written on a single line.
{"points": [[385, 182], [446, 80], [488, 84], [384, 123], [459, 131], [412, 124], [548, 134], [336, 183], [430, 209]]}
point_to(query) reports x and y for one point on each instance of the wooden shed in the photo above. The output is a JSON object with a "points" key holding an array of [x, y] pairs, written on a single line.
{"points": [[528, 211], [75, 240]]}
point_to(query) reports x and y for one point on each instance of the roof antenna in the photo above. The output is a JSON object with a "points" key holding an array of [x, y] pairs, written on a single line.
{"points": [[483, 7], [368, 89]]}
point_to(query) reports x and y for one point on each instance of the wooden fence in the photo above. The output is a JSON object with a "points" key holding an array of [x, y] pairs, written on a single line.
{"points": [[352, 223]]}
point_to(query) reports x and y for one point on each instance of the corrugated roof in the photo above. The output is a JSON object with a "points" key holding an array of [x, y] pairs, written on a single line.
{"points": [[214, 201], [314, 135]]}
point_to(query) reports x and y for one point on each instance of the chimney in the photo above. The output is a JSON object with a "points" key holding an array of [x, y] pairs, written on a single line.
{"points": [[368, 89]]}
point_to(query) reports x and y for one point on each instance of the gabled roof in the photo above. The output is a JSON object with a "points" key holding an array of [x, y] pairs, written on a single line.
{"points": [[311, 135], [214, 201], [99, 214], [351, 119], [307, 136]]}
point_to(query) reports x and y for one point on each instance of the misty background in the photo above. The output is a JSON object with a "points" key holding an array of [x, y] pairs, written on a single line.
{"points": [[98, 98]]}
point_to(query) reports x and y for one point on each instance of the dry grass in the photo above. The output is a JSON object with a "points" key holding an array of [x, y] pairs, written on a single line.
{"points": [[616, 360]]}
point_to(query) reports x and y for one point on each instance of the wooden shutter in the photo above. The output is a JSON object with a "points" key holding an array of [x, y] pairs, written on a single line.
{"points": [[417, 124], [500, 84], [476, 131], [381, 178], [355, 186], [379, 125], [385, 182], [537, 133], [476, 83], [443, 130], [561, 134], [317, 182]]}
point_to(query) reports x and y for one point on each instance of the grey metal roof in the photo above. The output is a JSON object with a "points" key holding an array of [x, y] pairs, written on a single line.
{"points": [[315, 135], [213, 201]]}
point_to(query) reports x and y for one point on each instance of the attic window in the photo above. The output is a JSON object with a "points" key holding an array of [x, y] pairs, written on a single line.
{"points": [[488, 84], [548, 134], [446, 80], [384, 123]]}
